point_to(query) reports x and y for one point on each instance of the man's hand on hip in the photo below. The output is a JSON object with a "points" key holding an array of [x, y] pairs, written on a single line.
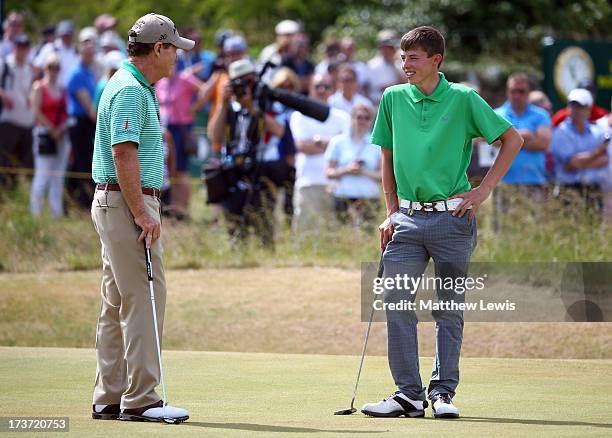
{"points": [[151, 228], [473, 199]]}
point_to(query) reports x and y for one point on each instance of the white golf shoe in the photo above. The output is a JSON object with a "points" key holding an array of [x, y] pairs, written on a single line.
{"points": [[155, 412], [396, 405], [443, 407]]}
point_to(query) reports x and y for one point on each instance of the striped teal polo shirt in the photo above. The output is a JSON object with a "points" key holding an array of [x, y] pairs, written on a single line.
{"points": [[129, 111]]}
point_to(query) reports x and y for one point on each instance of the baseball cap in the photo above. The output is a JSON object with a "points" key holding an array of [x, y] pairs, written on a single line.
{"points": [[22, 40], [387, 37], [65, 27], [581, 96], [88, 33], [287, 27], [234, 44], [240, 68], [107, 39], [154, 28]]}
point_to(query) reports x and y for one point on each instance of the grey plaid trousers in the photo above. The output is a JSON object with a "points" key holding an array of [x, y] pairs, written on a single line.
{"points": [[417, 238]]}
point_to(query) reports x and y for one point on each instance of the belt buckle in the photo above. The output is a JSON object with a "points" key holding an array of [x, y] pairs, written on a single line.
{"points": [[428, 206]]}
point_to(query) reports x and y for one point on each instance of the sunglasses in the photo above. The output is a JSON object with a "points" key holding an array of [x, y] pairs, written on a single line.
{"points": [[363, 117], [518, 91], [53, 67], [323, 86]]}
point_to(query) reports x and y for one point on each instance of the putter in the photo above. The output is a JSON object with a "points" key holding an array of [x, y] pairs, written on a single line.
{"points": [[161, 370], [352, 409]]}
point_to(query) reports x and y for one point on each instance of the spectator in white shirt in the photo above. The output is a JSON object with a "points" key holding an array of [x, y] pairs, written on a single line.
{"points": [[383, 68], [16, 119], [64, 47], [347, 96], [311, 201]]}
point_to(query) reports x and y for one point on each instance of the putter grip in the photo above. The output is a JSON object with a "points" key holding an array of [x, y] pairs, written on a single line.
{"points": [[148, 262]]}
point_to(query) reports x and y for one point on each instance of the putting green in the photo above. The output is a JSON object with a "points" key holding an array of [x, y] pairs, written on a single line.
{"points": [[276, 395]]}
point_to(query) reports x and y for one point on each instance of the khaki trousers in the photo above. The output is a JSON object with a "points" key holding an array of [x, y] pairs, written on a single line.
{"points": [[126, 351]]}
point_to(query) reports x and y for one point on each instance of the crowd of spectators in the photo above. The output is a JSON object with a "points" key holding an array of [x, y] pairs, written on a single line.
{"points": [[315, 170]]}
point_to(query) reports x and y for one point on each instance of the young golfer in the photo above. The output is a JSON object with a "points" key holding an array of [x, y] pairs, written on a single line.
{"points": [[425, 129]]}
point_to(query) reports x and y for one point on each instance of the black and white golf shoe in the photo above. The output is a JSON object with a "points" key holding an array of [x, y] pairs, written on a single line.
{"points": [[156, 412], [443, 407], [396, 405], [105, 412]]}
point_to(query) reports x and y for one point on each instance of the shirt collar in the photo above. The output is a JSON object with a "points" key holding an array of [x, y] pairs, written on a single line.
{"points": [[416, 95], [136, 73], [588, 127]]}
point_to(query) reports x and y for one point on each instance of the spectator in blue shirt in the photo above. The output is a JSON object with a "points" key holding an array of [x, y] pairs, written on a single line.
{"points": [[199, 60], [81, 90], [580, 151], [353, 163], [533, 123]]}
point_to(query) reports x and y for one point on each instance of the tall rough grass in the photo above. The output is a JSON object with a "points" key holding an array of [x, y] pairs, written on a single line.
{"points": [[547, 232]]}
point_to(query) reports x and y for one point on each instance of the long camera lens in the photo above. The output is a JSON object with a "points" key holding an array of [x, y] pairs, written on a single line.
{"points": [[298, 102]]}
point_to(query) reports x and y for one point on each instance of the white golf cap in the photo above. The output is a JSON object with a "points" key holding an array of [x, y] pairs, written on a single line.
{"points": [[153, 28], [581, 96], [240, 68], [107, 39], [287, 27], [88, 33]]}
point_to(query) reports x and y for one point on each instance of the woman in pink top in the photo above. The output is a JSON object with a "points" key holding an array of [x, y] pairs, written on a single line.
{"points": [[176, 95], [51, 147]]}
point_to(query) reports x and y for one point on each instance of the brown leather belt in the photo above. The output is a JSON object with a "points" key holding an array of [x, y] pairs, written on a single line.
{"points": [[116, 188]]}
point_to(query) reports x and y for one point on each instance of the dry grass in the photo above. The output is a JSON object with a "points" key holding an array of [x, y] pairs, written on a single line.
{"points": [[289, 310]]}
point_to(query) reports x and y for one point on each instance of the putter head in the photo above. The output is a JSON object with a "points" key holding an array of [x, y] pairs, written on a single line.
{"points": [[348, 411]]}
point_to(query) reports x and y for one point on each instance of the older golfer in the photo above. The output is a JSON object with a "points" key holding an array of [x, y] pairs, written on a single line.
{"points": [[128, 166], [425, 129]]}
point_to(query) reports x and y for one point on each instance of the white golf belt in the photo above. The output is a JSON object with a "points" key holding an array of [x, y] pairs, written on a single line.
{"points": [[448, 205]]}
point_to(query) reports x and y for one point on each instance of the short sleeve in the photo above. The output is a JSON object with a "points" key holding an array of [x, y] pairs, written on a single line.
{"points": [[298, 128], [128, 113], [599, 133], [544, 120], [485, 121], [382, 134]]}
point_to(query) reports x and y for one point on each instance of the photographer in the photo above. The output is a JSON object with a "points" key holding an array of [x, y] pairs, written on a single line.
{"points": [[238, 115]]}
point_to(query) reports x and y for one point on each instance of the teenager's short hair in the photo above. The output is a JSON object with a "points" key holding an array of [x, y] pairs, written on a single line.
{"points": [[426, 38]]}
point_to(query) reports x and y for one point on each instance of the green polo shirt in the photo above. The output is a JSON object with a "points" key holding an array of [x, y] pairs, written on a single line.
{"points": [[431, 137], [129, 111]]}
